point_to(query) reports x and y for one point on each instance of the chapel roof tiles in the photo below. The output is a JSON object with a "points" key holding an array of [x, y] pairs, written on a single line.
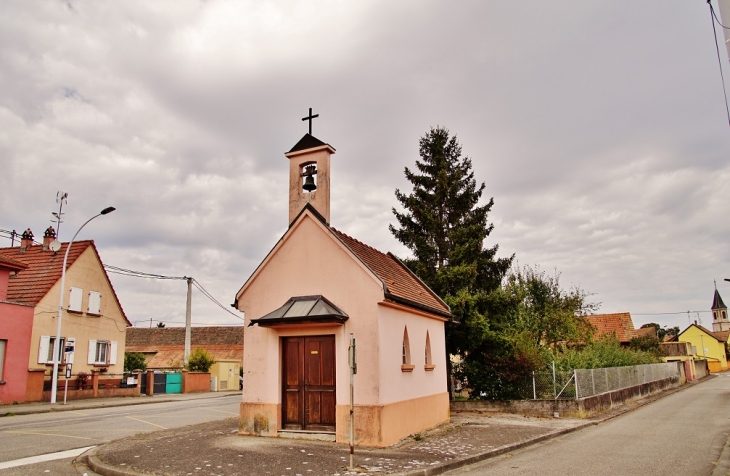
{"points": [[401, 284], [619, 323], [43, 270]]}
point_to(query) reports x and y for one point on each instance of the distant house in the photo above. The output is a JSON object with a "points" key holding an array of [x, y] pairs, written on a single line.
{"points": [[707, 344], [646, 332], [93, 319], [315, 290], [164, 349], [619, 324], [16, 327]]}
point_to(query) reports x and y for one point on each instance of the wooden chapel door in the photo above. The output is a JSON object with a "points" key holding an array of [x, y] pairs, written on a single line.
{"points": [[308, 383]]}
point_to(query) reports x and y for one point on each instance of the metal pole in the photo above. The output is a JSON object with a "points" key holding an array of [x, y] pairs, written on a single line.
{"points": [[62, 291], [65, 390], [188, 319], [353, 371], [575, 375], [555, 390], [534, 390]]}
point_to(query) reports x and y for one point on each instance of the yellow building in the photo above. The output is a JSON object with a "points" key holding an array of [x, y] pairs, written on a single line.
{"points": [[93, 320], [707, 345]]}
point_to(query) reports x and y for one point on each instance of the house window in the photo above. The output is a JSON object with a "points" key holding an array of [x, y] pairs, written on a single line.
{"points": [[406, 353], [102, 352], [94, 303], [45, 350], [3, 344], [428, 363], [74, 300]]}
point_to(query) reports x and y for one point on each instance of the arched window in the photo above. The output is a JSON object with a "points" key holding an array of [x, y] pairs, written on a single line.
{"points": [[724, 315], [406, 365], [428, 362]]}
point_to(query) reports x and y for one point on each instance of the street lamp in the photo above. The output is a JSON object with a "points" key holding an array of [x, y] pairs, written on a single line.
{"points": [[57, 343]]}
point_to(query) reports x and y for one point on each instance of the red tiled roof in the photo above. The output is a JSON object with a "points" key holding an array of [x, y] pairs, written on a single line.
{"points": [[607, 324], [168, 344], [646, 331], [44, 270], [721, 335], [11, 263], [199, 336], [400, 282]]}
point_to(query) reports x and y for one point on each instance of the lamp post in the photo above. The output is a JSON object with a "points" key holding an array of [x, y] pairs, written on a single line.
{"points": [[57, 343]]}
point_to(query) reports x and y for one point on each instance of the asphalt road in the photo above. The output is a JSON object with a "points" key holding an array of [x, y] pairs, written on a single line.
{"points": [[25, 436], [681, 434]]}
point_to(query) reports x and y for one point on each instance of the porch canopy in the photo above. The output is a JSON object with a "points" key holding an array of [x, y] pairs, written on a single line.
{"points": [[303, 310]]}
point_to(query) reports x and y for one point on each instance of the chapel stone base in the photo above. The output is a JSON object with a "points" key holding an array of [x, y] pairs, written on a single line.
{"points": [[375, 425]]}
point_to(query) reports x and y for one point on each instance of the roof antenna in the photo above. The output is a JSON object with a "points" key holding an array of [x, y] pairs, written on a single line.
{"points": [[61, 198]]}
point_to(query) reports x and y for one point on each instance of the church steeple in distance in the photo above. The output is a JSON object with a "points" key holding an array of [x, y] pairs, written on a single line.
{"points": [[720, 321]]}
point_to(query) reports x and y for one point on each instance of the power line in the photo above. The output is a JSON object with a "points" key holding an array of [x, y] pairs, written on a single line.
{"points": [[196, 283], [713, 18], [665, 313]]}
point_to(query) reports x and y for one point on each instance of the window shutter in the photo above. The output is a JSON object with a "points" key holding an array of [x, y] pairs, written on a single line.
{"points": [[92, 352], [43, 349], [74, 300], [94, 302], [113, 353]]}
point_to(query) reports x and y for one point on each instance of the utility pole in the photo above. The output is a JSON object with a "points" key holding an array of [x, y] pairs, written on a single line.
{"points": [[186, 355]]}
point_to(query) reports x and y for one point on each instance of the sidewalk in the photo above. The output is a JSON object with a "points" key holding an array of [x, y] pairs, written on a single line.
{"points": [[90, 403], [216, 449]]}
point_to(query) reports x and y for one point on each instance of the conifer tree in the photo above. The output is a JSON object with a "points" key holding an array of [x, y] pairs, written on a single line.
{"points": [[445, 227]]}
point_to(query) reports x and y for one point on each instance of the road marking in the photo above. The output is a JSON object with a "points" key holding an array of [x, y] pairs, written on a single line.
{"points": [[46, 434], [219, 411], [79, 413], [46, 457], [149, 423]]}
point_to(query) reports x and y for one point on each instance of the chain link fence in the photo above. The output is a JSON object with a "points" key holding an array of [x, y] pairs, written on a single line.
{"points": [[582, 383]]}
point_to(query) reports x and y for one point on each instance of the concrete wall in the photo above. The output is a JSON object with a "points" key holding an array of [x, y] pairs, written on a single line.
{"points": [[86, 273], [582, 408]]}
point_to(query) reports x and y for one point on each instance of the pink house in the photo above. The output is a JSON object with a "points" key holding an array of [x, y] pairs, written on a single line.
{"points": [[16, 326], [314, 289]]}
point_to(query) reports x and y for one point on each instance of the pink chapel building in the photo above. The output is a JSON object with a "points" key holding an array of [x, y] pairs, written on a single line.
{"points": [[315, 288]]}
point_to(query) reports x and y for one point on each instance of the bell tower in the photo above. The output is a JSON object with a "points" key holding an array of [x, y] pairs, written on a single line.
{"points": [[309, 176], [720, 321]]}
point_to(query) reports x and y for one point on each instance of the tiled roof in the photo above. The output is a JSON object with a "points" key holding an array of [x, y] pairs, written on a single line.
{"points": [[401, 284], [607, 324], [721, 335], [44, 270], [11, 263], [168, 344], [175, 336], [646, 331]]}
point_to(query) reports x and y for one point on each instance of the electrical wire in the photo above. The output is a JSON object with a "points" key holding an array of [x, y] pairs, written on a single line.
{"points": [[713, 18], [665, 313], [196, 283]]}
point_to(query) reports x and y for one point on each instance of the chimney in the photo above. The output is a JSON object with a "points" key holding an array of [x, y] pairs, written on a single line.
{"points": [[309, 176], [26, 240], [48, 236]]}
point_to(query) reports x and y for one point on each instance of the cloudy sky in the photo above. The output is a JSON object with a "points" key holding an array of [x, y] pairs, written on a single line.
{"points": [[598, 127]]}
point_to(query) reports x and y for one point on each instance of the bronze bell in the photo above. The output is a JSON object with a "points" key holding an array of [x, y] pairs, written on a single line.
{"points": [[309, 184]]}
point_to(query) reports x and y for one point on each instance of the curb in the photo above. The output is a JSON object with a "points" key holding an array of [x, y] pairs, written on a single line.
{"points": [[67, 408], [95, 464]]}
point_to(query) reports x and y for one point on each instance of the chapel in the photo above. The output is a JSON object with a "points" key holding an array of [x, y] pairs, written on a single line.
{"points": [[317, 288]]}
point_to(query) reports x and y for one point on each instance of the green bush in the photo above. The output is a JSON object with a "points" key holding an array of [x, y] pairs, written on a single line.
{"points": [[134, 361], [606, 352], [200, 360]]}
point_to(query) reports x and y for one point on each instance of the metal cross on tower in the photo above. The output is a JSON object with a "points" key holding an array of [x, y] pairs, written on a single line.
{"points": [[309, 118]]}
